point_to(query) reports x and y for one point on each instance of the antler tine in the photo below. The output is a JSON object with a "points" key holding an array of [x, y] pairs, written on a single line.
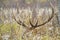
{"points": [[22, 23], [36, 25], [31, 23], [33, 26], [15, 19]]}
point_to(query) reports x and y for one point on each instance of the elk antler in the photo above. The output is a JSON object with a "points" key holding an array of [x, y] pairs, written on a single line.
{"points": [[36, 25], [20, 22]]}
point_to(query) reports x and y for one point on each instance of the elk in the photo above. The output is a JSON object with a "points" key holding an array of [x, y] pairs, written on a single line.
{"points": [[36, 24]]}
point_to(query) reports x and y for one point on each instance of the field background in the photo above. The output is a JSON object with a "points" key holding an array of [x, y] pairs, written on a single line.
{"points": [[10, 30]]}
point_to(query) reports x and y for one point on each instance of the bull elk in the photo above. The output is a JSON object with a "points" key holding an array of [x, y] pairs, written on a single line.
{"points": [[36, 25]]}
